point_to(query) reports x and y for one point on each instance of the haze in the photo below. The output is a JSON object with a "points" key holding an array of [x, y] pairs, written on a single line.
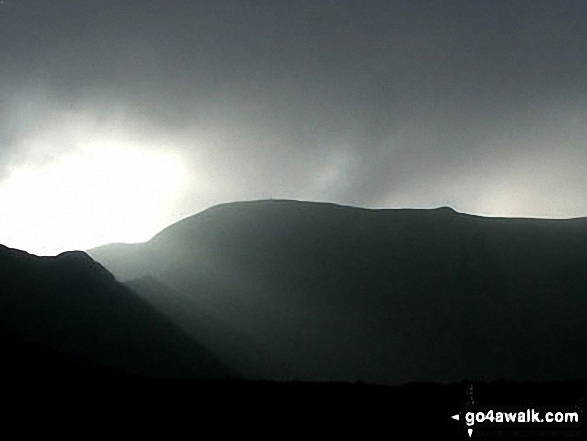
{"points": [[118, 118]]}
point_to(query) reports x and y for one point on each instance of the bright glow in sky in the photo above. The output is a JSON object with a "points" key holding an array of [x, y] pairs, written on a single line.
{"points": [[118, 121], [97, 194]]}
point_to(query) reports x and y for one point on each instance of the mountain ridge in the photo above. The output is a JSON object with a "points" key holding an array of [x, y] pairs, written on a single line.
{"points": [[382, 296], [276, 202]]}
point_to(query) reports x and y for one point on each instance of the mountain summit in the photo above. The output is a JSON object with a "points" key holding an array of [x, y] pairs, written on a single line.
{"points": [[385, 296]]}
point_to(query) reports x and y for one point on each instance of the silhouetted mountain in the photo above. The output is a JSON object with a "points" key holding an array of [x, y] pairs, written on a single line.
{"points": [[70, 306], [52, 388], [382, 296]]}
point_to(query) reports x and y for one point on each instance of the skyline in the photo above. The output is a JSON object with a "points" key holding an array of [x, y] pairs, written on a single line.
{"points": [[118, 119]]}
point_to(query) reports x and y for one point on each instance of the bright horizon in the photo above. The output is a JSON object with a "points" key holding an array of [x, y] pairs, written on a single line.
{"points": [[118, 120]]}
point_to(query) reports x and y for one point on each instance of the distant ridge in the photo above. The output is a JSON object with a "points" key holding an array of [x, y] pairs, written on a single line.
{"points": [[277, 203], [381, 295]]}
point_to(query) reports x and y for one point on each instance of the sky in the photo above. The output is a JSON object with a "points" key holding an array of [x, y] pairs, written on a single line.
{"points": [[120, 117]]}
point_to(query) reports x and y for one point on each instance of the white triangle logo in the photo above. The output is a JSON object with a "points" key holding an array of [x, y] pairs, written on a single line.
{"points": [[470, 432], [455, 417]]}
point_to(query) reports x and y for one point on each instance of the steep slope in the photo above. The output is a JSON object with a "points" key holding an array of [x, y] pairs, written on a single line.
{"points": [[385, 296], [71, 305], [234, 348]]}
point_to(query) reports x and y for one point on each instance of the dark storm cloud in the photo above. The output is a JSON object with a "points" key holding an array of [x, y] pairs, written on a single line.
{"points": [[365, 102]]}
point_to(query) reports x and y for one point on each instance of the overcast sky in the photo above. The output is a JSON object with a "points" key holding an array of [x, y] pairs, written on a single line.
{"points": [[180, 105]]}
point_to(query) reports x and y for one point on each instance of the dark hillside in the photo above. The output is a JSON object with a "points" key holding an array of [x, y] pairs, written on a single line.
{"points": [[71, 305], [383, 296]]}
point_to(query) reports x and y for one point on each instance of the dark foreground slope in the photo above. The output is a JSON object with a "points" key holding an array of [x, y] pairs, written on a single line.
{"points": [[60, 380], [72, 307], [54, 397], [382, 296]]}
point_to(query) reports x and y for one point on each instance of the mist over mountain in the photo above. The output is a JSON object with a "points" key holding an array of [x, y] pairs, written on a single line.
{"points": [[236, 349], [72, 308], [338, 293]]}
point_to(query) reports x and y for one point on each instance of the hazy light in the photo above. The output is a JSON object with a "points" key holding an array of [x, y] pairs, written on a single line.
{"points": [[100, 192]]}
